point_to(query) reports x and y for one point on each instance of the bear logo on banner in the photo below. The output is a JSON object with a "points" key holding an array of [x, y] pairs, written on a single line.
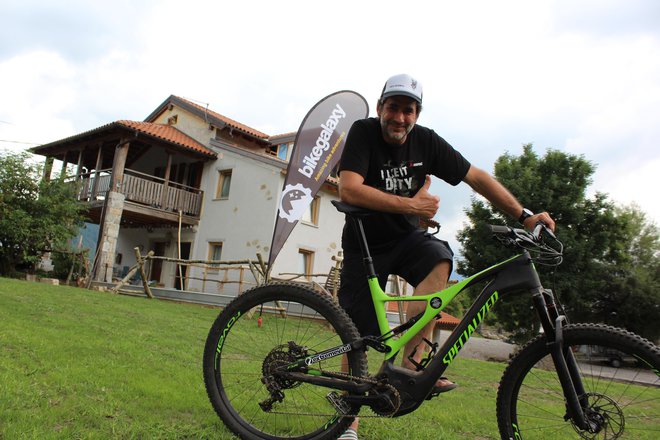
{"points": [[295, 199]]}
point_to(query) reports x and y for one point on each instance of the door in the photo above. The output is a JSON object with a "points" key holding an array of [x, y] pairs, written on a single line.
{"points": [[157, 265], [181, 269]]}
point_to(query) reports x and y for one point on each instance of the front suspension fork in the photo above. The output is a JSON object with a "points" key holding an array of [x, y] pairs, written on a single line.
{"points": [[568, 372]]}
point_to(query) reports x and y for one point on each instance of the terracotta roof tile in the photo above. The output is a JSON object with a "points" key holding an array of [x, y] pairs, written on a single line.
{"points": [[169, 134], [230, 122], [446, 321]]}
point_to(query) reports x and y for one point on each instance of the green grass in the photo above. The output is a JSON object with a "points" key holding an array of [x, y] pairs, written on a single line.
{"points": [[78, 364]]}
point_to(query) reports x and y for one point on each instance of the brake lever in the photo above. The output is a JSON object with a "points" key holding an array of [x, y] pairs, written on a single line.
{"points": [[536, 232], [542, 227], [548, 231]]}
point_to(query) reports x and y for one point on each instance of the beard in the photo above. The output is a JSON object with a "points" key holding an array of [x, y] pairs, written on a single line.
{"points": [[395, 133]]}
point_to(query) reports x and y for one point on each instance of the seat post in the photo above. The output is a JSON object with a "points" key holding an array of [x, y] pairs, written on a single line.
{"points": [[364, 247]]}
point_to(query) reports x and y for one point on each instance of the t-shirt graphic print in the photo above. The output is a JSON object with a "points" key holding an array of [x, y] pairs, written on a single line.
{"points": [[400, 179]]}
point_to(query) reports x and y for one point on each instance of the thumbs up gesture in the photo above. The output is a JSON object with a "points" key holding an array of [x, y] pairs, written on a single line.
{"points": [[424, 204]]}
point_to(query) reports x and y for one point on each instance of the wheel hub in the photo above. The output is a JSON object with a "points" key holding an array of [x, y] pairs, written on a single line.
{"points": [[278, 358], [604, 417]]}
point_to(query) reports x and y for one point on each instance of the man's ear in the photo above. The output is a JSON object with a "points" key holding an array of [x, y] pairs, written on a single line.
{"points": [[379, 106]]}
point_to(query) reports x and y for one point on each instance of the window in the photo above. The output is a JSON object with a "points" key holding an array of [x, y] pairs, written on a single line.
{"points": [[305, 262], [280, 150], [215, 252], [311, 214], [224, 183]]}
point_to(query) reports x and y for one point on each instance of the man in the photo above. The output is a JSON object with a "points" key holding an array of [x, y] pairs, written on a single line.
{"points": [[386, 167]]}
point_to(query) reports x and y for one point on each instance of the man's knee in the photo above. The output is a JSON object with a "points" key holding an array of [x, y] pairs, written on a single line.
{"points": [[436, 279]]}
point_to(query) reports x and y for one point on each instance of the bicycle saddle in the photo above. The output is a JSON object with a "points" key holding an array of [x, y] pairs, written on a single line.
{"points": [[356, 211], [351, 209]]}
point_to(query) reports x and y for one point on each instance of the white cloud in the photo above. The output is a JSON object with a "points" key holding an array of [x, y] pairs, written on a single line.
{"points": [[582, 76]]}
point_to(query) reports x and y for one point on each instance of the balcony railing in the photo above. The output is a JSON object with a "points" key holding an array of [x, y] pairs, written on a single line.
{"points": [[143, 189]]}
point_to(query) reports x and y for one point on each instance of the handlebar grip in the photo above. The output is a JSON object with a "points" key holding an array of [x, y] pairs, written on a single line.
{"points": [[538, 227], [429, 223], [542, 227], [499, 229]]}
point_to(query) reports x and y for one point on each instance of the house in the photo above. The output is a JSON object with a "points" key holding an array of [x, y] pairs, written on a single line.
{"points": [[191, 183]]}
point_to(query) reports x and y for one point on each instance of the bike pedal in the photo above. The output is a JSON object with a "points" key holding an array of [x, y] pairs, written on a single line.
{"points": [[338, 402]]}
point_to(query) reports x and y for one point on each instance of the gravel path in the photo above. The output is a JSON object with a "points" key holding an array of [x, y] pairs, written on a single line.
{"points": [[484, 349]]}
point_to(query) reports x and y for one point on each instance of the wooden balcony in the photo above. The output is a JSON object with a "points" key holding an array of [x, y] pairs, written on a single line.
{"points": [[149, 200]]}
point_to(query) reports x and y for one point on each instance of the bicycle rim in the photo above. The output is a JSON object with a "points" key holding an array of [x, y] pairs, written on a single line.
{"points": [[270, 327], [620, 374]]}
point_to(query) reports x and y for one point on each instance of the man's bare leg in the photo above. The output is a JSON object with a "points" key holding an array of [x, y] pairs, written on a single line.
{"points": [[435, 281], [356, 421]]}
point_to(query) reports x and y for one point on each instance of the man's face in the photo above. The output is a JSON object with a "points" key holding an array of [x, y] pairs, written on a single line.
{"points": [[397, 115]]}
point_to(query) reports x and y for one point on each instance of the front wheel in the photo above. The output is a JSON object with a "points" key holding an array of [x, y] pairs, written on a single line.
{"points": [[262, 331], [622, 402]]}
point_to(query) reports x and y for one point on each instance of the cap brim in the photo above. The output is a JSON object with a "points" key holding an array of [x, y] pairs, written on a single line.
{"points": [[401, 93]]}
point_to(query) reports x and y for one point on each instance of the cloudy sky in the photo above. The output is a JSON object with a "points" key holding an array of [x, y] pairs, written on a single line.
{"points": [[581, 76]]}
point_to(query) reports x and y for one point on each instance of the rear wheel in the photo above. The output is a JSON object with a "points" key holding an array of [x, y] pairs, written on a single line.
{"points": [[262, 330], [623, 402]]}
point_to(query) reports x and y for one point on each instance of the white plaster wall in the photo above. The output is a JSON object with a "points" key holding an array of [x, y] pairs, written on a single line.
{"points": [[189, 124], [243, 223]]}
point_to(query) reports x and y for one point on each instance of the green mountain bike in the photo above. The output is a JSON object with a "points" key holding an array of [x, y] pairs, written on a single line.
{"points": [[283, 361]]}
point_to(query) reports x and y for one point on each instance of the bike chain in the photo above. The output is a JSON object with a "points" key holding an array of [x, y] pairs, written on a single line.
{"points": [[363, 379]]}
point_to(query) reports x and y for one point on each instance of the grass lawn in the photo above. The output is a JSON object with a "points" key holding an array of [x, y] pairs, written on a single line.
{"points": [[79, 364]]}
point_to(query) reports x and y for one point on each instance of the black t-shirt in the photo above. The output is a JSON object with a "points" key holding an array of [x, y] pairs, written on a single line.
{"points": [[396, 169]]}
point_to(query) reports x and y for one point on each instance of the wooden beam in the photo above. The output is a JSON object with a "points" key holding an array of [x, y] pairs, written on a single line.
{"points": [[64, 164], [141, 262], [79, 165], [163, 199], [119, 165], [48, 167], [97, 167]]}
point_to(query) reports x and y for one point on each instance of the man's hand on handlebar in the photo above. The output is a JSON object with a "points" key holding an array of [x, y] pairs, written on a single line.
{"points": [[530, 223]]}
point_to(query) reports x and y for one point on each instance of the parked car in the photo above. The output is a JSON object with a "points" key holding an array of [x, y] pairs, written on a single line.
{"points": [[599, 354]]}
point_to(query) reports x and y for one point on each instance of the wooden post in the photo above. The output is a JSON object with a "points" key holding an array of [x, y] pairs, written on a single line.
{"points": [[79, 165], [97, 167], [128, 276], [397, 288], [64, 164], [338, 259], [166, 178], [140, 263], [119, 165], [264, 270], [182, 283], [253, 269], [48, 167]]}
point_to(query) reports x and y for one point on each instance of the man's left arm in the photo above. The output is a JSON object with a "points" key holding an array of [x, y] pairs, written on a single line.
{"points": [[498, 195]]}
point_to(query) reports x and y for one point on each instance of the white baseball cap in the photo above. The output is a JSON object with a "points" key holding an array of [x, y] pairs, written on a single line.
{"points": [[402, 84]]}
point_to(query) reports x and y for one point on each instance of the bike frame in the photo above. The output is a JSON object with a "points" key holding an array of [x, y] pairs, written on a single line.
{"points": [[515, 275], [509, 270]]}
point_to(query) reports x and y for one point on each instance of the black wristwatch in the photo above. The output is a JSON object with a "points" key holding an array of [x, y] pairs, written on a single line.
{"points": [[526, 213]]}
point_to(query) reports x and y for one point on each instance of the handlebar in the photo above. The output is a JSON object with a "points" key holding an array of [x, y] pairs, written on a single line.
{"points": [[534, 242]]}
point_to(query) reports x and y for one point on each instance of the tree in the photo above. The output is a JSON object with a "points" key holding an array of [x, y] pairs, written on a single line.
{"points": [[600, 278], [631, 297], [36, 215]]}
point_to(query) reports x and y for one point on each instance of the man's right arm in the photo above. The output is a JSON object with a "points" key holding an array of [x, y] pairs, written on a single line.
{"points": [[353, 191]]}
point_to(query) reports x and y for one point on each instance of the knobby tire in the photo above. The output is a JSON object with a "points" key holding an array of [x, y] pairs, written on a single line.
{"points": [[254, 334], [620, 372]]}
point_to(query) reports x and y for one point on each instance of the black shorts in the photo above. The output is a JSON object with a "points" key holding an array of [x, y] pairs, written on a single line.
{"points": [[412, 258]]}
